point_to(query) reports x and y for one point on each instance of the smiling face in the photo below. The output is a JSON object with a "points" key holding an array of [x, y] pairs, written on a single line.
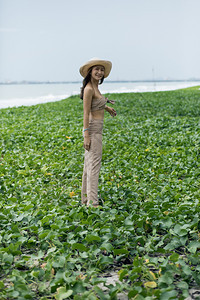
{"points": [[98, 72]]}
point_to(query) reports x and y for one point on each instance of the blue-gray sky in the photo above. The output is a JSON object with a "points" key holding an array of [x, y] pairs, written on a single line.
{"points": [[145, 39]]}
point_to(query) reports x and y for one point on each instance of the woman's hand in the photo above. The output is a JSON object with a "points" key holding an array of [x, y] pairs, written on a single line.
{"points": [[111, 111], [87, 142], [110, 101]]}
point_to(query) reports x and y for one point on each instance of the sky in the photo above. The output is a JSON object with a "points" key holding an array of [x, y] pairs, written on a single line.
{"points": [[48, 40]]}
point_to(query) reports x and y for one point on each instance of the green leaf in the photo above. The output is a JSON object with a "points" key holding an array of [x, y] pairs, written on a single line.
{"points": [[106, 246], [91, 238], [59, 262], [166, 278], [132, 293], [50, 250], [193, 246], [80, 247], [1, 285], [186, 270], [122, 274], [62, 293], [100, 293], [128, 222], [15, 294], [38, 255], [79, 287], [168, 295], [174, 257], [120, 251], [106, 260], [179, 230], [182, 285], [139, 297], [7, 258], [44, 234]]}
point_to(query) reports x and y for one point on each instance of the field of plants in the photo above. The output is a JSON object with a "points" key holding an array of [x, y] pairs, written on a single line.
{"points": [[147, 228]]}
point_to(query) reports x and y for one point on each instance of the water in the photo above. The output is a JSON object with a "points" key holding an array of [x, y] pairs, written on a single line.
{"points": [[30, 94]]}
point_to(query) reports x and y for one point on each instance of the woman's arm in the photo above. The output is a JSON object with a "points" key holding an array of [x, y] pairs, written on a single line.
{"points": [[87, 100], [111, 111]]}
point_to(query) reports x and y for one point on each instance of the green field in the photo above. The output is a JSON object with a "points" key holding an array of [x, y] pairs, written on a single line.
{"points": [[148, 226]]}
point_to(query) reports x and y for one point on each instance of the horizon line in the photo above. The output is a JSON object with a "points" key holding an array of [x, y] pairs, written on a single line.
{"points": [[107, 81]]}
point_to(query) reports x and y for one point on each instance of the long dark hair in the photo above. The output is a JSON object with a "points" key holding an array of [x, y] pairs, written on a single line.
{"points": [[86, 80]]}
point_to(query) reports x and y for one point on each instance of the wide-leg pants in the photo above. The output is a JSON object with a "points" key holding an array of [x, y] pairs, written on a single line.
{"points": [[92, 164]]}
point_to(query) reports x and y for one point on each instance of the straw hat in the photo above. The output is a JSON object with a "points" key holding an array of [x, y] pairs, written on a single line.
{"points": [[96, 62]]}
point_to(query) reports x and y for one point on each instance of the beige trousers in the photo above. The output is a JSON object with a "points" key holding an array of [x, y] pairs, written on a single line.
{"points": [[92, 164]]}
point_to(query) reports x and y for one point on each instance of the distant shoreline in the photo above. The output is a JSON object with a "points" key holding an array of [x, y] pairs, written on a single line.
{"points": [[32, 93], [108, 81]]}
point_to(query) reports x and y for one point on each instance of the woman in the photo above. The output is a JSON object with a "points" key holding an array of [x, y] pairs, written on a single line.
{"points": [[94, 104]]}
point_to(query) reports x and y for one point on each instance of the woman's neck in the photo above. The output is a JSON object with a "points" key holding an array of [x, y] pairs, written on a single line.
{"points": [[94, 82]]}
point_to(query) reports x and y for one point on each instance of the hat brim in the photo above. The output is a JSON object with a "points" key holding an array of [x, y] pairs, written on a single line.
{"points": [[96, 62]]}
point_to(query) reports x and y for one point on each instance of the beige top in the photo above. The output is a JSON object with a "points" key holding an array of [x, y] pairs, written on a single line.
{"points": [[98, 104]]}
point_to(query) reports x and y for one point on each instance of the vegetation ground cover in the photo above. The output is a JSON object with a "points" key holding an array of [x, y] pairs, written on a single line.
{"points": [[148, 229]]}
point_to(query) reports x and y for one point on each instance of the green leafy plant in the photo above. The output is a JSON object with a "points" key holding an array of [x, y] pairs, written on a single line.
{"points": [[147, 229]]}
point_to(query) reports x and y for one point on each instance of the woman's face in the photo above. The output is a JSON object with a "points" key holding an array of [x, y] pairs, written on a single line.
{"points": [[97, 72]]}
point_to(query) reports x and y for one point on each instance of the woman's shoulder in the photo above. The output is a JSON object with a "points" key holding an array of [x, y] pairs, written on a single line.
{"points": [[89, 90]]}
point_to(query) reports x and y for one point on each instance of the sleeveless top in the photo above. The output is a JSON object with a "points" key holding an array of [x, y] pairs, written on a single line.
{"points": [[98, 104]]}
